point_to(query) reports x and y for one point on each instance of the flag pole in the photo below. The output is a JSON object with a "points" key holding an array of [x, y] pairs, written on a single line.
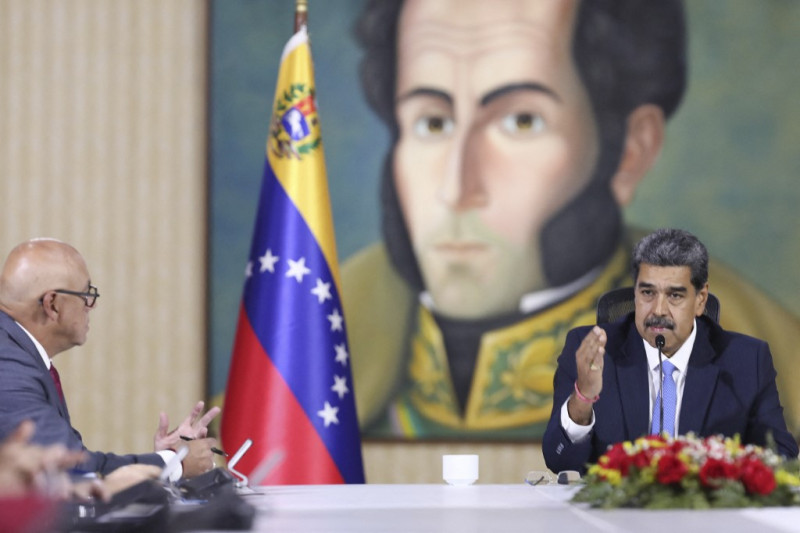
{"points": [[300, 14], [290, 388]]}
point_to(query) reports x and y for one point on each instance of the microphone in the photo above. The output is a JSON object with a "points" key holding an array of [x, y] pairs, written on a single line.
{"points": [[264, 468], [242, 481], [660, 342]]}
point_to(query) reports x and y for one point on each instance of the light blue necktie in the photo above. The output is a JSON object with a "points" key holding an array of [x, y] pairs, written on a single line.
{"points": [[669, 390]]}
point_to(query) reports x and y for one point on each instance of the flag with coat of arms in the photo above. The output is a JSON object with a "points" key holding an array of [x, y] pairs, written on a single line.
{"points": [[289, 385]]}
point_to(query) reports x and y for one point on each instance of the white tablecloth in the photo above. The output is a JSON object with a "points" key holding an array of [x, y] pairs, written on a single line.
{"points": [[477, 508]]}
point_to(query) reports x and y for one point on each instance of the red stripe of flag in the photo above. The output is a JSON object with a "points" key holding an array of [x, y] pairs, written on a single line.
{"points": [[289, 429]]}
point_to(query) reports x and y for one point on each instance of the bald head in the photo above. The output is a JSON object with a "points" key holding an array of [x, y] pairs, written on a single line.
{"points": [[35, 267], [39, 288]]}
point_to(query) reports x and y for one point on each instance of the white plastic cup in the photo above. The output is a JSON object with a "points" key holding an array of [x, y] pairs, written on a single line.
{"points": [[460, 469]]}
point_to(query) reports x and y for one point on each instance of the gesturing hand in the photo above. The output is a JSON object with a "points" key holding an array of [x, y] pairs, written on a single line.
{"points": [[589, 360], [194, 426]]}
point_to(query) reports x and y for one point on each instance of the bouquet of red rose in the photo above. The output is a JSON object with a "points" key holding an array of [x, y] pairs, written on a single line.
{"points": [[659, 472]]}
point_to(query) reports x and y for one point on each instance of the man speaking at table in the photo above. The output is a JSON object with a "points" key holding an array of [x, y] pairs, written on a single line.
{"points": [[45, 299], [608, 384]]}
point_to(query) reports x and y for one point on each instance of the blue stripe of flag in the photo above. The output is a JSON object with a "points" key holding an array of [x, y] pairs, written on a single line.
{"points": [[293, 326]]}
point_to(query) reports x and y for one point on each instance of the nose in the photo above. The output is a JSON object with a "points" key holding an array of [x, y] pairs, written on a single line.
{"points": [[661, 308], [462, 186]]}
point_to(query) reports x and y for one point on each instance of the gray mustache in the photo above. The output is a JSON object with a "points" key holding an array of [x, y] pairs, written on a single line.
{"points": [[659, 322]]}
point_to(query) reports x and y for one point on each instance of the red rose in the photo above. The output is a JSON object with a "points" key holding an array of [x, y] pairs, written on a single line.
{"points": [[670, 469], [641, 459], [717, 469], [757, 477], [676, 446], [617, 459]]}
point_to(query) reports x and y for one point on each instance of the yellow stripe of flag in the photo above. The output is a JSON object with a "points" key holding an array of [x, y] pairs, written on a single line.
{"points": [[295, 151]]}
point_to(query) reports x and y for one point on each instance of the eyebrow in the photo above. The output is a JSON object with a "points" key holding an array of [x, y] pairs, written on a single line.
{"points": [[488, 98], [427, 91], [516, 87], [673, 288]]}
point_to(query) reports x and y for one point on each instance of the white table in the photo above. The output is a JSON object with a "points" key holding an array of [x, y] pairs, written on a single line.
{"points": [[491, 508]]}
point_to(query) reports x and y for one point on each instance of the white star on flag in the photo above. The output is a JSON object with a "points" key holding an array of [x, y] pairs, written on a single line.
{"points": [[336, 320], [329, 414], [248, 271], [340, 386], [297, 269], [268, 261], [341, 354], [322, 291]]}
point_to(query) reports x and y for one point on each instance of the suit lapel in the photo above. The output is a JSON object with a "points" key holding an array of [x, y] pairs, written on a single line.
{"points": [[21, 338], [632, 379], [701, 380]]}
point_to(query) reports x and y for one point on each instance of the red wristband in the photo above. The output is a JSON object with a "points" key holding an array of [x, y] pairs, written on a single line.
{"points": [[583, 398]]}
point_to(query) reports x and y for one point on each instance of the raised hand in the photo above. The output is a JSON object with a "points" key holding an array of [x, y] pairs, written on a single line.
{"points": [[589, 362], [194, 426]]}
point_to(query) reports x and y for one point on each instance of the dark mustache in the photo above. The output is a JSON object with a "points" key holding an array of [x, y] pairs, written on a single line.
{"points": [[659, 322]]}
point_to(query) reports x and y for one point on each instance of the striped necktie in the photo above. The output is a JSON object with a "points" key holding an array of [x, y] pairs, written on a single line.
{"points": [[670, 392]]}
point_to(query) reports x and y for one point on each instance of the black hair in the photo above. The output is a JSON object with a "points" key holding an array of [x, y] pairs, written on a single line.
{"points": [[672, 247]]}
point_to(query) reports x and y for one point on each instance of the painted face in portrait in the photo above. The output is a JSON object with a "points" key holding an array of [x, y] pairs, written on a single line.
{"points": [[496, 136], [667, 304]]}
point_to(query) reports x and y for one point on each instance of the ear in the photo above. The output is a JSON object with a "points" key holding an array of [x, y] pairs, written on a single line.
{"points": [[700, 301], [643, 141], [49, 306]]}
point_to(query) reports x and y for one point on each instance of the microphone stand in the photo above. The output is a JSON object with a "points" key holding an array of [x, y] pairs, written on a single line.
{"points": [[660, 341]]}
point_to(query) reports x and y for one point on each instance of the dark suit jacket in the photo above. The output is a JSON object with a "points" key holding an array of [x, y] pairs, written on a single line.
{"points": [[730, 389], [27, 392]]}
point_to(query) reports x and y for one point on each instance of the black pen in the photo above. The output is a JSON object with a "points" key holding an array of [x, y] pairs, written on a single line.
{"points": [[215, 450]]}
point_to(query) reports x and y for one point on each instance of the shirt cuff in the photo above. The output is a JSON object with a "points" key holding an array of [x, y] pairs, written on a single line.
{"points": [[167, 455], [575, 431]]}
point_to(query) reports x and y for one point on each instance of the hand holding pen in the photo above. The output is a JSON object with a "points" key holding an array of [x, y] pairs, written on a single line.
{"points": [[213, 449], [200, 458]]}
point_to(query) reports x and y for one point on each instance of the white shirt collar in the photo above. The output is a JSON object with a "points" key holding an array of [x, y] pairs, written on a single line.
{"points": [[533, 301], [39, 347], [679, 359]]}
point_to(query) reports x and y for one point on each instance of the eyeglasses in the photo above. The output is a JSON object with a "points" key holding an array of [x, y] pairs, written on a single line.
{"points": [[544, 477], [89, 297]]}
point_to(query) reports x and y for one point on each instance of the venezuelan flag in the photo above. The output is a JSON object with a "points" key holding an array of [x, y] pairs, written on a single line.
{"points": [[290, 385]]}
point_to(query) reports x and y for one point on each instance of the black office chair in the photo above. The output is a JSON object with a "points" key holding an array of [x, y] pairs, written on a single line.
{"points": [[619, 302]]}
